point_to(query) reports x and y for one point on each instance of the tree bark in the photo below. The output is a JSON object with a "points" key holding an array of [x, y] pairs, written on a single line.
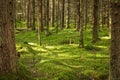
{"points": [[115, 41], [40, 15], [63, 9], [33, 14], [47, 18], [81, 21], [40, 20], [28, 14], [85, 13], [68, 15], [7, 45], [96, 22], [53, 12]]}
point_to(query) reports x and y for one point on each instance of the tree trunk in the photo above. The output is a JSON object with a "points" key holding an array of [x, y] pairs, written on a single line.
{"points": [[85, 13], [7, 45], [53, 12], [81, 44], [115, 41], [68, 15], [63, 9], [78, 15], [96, 22], [47, 18], [44, 13], [33, 14], [40, 15], [57, 15], [40, 20], [28, 14]]}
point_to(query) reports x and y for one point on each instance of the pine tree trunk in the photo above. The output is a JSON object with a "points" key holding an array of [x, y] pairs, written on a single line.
{"points": [[33, 14], [40, 20], [28, 14], [96, 22], [53, 12], [85, 13], [68, 15], [78, 15], [57, 15], [7, 45], [40, 15], [44, 12], [115, 41], [47, 18], [81, 44], [63, 9]]}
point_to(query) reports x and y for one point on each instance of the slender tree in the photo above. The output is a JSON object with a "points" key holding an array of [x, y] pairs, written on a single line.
{"points": [[68, 14], [47, 18], [85, 13], [63, 9], [33, 14], [53, 12], [40, 20], [57, 14], [96, 22], [78, 15], [44, 12], [28, 14], [81, 9]]}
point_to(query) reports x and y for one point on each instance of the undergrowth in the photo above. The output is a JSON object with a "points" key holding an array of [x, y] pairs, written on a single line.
{"points": [[60, 58]]}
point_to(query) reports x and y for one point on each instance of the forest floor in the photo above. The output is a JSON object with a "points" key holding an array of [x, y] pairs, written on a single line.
{"points": [[60, 58]]}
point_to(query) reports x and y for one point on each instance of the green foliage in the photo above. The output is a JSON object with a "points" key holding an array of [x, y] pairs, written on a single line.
{"points": [[91, 47], [22, 74], [20, 24], [56, 59], [8, 77]]}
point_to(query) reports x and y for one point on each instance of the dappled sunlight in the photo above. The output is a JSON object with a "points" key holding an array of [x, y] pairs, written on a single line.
{"points": [[105, 37], [57, 57], [40, 49], [95, 55], [103, 47], [102, 55], [34, 44], [65, 55], [43, 61], [50, 47], [59, 39]]}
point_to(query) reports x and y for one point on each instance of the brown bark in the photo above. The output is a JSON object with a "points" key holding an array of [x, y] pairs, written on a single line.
{"points": [[57, 15], [68, 15], [96, 22], [81, 44], [115, 41], [85, 13], [40, 15], [7, 45], [40, 20], [78, 15], [53, 12], [33, 15], [47, 18], [28, 14], [63, 9]]}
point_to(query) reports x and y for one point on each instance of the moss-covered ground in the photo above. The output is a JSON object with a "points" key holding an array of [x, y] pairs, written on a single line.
{"points": [[60, 58]]}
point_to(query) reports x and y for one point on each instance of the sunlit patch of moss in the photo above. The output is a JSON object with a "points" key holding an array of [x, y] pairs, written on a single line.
{"points": [[56, 61], [105, 37]]}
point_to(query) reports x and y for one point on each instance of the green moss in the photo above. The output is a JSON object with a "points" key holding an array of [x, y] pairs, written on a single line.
{"points": [[22, 74], [56, 61]]}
